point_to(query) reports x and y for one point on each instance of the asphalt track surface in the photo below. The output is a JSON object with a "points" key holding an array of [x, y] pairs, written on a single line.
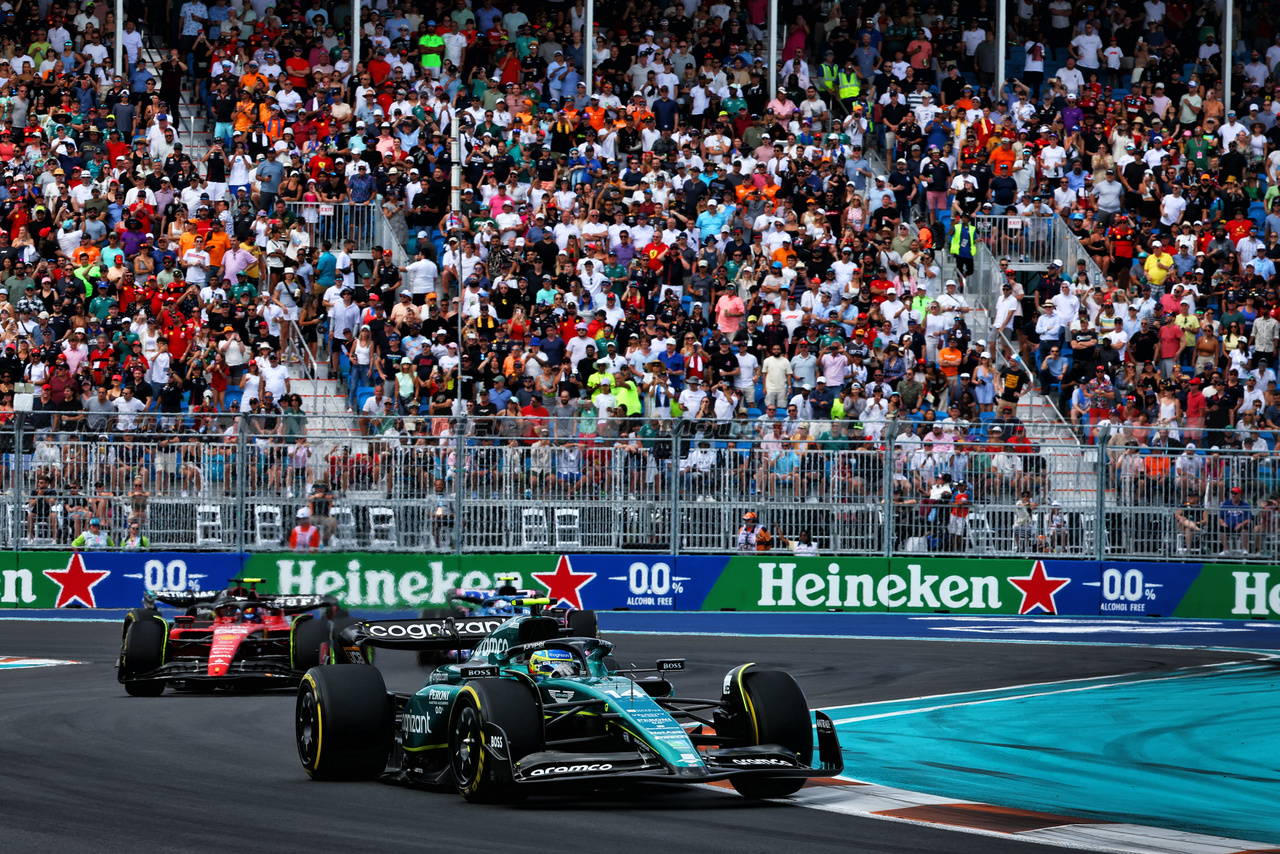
{"points": [[86, 768]]}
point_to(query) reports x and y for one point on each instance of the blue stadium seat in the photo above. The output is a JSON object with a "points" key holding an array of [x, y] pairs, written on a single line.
{"points": [[945, 218], [753, 412], [231, 400], [986, 417], [363, 393], [1258, 213]]}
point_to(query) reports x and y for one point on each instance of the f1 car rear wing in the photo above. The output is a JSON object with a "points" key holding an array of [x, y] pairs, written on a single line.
{"points": [[179, 598], [190, 598], [297, 604], [441, 634]]}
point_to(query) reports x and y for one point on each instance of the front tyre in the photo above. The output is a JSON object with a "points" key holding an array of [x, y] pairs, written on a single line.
{"points": [[142, 651], [344, 722], [770, 708], [482, 769]]}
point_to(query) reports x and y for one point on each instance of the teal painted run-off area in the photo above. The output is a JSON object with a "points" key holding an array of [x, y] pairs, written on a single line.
{"points": [[1193, 749]]}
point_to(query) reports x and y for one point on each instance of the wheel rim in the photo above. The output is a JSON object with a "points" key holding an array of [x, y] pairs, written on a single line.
{"points": [[466, 745], [308, 727]]}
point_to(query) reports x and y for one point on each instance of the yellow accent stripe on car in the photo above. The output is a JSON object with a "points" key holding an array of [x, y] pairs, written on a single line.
{"points": [[746, 700], [164, 647], [480, 762], [423, 747]]}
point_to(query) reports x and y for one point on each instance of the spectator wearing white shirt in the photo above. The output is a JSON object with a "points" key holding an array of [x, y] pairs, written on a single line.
{"points": [[1066, 305], [1071, 77], [1087, 48]]}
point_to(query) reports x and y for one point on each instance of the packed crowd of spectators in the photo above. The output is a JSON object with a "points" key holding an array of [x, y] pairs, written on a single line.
{"points": [[674, 248]]}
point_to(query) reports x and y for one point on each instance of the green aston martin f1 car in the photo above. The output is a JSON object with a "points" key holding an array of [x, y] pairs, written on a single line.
{"points": [[537, 709]]}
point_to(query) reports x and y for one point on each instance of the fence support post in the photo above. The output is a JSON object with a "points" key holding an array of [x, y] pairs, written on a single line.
{"points": [[887, 487], [1100, 522], [18, 519], [674, 481], [460, 448], [242, 476]]}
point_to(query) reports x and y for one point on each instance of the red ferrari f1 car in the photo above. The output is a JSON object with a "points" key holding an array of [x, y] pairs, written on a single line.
{"points": [[235, 637]]}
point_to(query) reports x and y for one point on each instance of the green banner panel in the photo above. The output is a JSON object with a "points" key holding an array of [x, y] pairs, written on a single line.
{"points": [[1232, 592], [394, 581], [767, 581]]}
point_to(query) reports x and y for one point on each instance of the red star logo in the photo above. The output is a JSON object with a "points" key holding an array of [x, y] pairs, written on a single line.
{"points": [[76, 582], [1038, 589], [564, 584]]}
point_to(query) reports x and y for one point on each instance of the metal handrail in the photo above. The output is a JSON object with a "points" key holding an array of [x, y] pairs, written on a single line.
{"points": [[305, 359], [396, 487]]}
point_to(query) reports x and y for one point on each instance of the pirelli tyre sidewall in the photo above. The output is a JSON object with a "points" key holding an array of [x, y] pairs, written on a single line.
{"points": [[768, 707], [344, 723], [481, 767], [142, 650]]}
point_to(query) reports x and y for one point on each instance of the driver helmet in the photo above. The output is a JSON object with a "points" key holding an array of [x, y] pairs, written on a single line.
{"points": [[552, 664], [251, 615]]}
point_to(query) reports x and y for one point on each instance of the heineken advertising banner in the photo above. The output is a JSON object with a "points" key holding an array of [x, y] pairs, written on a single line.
{"points": [[106, 579], [764, 581]]}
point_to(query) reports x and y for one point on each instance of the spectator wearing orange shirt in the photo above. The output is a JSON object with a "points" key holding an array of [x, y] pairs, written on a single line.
{"points": [[251, 78], [1002, 157], [949, 358], [216, 243]]}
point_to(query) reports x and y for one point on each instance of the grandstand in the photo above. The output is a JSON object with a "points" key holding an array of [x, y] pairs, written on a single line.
{"points": [[457, 293]]}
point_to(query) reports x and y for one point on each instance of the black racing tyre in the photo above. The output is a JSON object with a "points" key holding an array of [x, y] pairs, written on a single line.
{"points": [[308, 638], [435, 657], [142, 651], [779, 714], [583, 624], [344, 721], [511, 704]]}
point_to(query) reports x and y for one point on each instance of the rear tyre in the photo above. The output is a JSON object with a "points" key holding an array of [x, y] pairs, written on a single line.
{"points": [[309, 638], [434, 657], [482, 776], [583, 624], [343, 723], [775, 712], [142, 652]]}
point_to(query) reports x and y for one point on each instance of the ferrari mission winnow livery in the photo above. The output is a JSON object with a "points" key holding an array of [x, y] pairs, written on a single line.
{"points": [[536, 707], [232, 637]]}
